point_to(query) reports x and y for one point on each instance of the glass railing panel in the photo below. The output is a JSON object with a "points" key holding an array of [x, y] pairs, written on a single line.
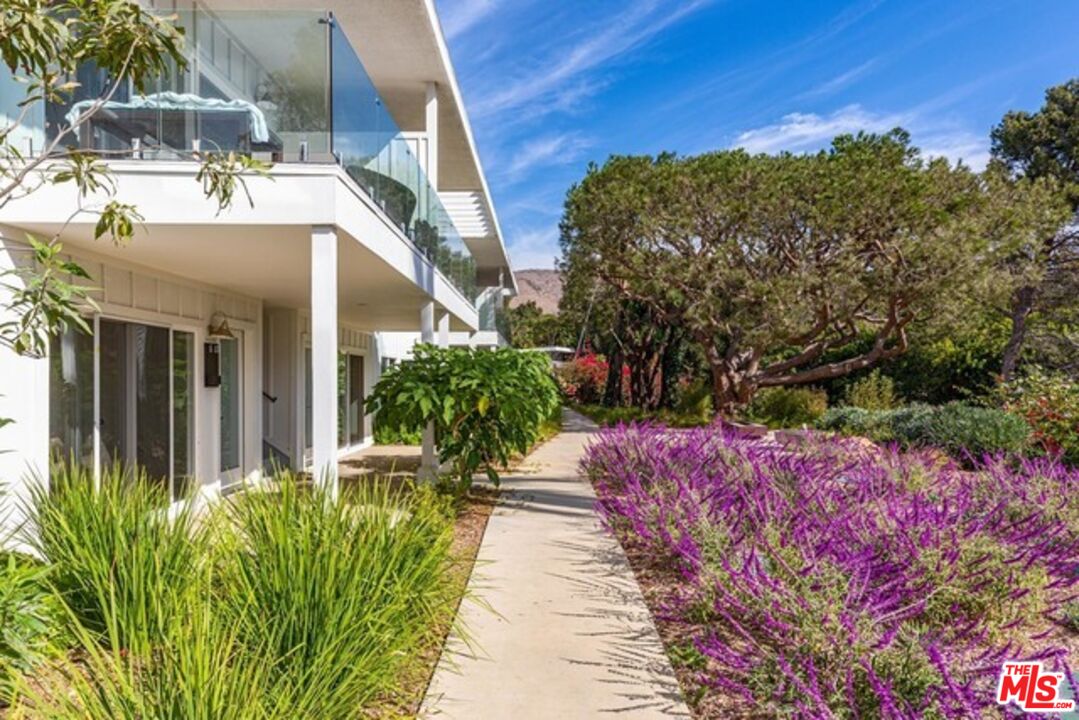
{"points": [[371, 147], [238, 93]]}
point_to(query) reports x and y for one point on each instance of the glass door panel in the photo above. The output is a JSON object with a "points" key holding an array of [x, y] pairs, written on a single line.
{"points": [[355, 399], [153, 371], [232, 405], [342, 400], [115, 409], [183, 413], [71, 397]]}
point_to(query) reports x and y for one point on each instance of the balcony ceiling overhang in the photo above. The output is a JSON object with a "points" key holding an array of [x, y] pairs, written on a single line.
{"points": [[402, 47]]}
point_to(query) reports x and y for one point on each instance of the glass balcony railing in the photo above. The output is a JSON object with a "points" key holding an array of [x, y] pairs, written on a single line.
{"points": [[284, 87]]}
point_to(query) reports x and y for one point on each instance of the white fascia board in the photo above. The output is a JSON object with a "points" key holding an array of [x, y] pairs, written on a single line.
{"points": [[166, 193]]}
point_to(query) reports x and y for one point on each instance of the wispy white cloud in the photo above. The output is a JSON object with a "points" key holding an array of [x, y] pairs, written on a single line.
{"points": [[561, 71], [535, 248], [458, 16], [809, 131], [545, 151], [840, 81], [802, 132]]}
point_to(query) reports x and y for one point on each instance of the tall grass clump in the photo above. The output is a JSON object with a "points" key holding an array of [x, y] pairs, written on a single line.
{"points": [[199, 672], [832, 580], [335, 596], [126, 566]]}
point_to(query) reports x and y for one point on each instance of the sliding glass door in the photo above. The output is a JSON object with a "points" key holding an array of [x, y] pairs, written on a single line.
{"points": [[350, 395], [144, 400]]}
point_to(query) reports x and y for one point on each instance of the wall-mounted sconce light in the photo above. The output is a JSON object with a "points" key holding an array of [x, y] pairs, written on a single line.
{"points": [[219, 327]]}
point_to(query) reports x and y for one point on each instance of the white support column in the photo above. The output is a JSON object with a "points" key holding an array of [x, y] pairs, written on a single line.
{"points": [[428, 456], [431, 127], [324, 355], [444, 330]]}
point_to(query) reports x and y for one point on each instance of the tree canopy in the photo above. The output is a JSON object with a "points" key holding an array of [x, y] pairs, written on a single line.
{"points": [[771, 262], [1044, 146]]}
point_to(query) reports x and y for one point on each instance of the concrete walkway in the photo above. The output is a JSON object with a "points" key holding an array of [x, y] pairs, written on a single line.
{"points": [[567, 634]]}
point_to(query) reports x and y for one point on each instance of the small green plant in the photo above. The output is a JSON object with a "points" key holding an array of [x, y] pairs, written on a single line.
{"points": [[485, 405], [873, 392], [388, 435], [124, 564], [787, 407]]}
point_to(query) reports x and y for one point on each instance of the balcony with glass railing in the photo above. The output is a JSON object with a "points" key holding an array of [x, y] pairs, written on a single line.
{"points": [[286, 87]]}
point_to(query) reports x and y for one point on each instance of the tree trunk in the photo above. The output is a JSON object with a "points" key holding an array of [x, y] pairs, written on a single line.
{"points": [[612, 391], [1022, 306]]}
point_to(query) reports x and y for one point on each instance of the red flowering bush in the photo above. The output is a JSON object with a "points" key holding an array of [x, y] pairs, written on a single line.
{"points": [[582, 379], [1050, 405], [838, 580]]}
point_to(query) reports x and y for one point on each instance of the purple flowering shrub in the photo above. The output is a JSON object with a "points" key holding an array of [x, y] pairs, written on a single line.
{"points": [[839, 579]]}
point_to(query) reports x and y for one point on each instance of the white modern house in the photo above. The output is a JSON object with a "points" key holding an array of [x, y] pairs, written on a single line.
{"points": [[224, 342]]}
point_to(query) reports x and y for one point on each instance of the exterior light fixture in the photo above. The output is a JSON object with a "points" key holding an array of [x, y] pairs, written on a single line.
{"points": [[219, 327]]}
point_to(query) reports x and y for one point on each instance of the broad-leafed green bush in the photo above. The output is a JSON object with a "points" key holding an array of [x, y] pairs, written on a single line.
{"points": [[485, 405], [783, 407]]}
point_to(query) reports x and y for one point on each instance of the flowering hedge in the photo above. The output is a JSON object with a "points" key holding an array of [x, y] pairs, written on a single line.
{"points": [[582, 379], [840, 580]]}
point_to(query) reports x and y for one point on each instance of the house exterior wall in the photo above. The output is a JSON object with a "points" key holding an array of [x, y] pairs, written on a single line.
{"points": [[139, 295]]}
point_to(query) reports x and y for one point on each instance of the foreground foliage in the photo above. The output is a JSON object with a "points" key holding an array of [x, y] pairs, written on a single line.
{"points": [[835, 581], [276, 604], [28, 619], [485, 405]]}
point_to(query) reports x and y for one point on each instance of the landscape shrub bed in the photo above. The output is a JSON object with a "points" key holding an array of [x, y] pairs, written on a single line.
{"points": [[839, 580], [963, 431], [277, 603]]}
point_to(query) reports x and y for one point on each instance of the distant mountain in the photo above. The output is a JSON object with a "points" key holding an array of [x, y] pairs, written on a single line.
{"points": [[543, 287]]}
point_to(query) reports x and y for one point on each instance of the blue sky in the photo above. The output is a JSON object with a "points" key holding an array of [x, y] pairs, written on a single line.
{"points": [[554, 84]]}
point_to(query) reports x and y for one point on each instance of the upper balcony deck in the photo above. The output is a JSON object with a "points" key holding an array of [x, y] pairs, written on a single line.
{"points": [[283, 86]]}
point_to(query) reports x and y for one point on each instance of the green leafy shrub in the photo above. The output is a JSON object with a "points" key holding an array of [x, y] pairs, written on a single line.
{"points": [[872, 392], [28, 618], [783, 407], [124, 564], [386, 434], [1049, 403], [485, 405], [956, 428], [335, 596]]}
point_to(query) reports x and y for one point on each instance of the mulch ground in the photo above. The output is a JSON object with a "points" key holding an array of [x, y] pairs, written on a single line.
{"points": [[472, 516]]}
